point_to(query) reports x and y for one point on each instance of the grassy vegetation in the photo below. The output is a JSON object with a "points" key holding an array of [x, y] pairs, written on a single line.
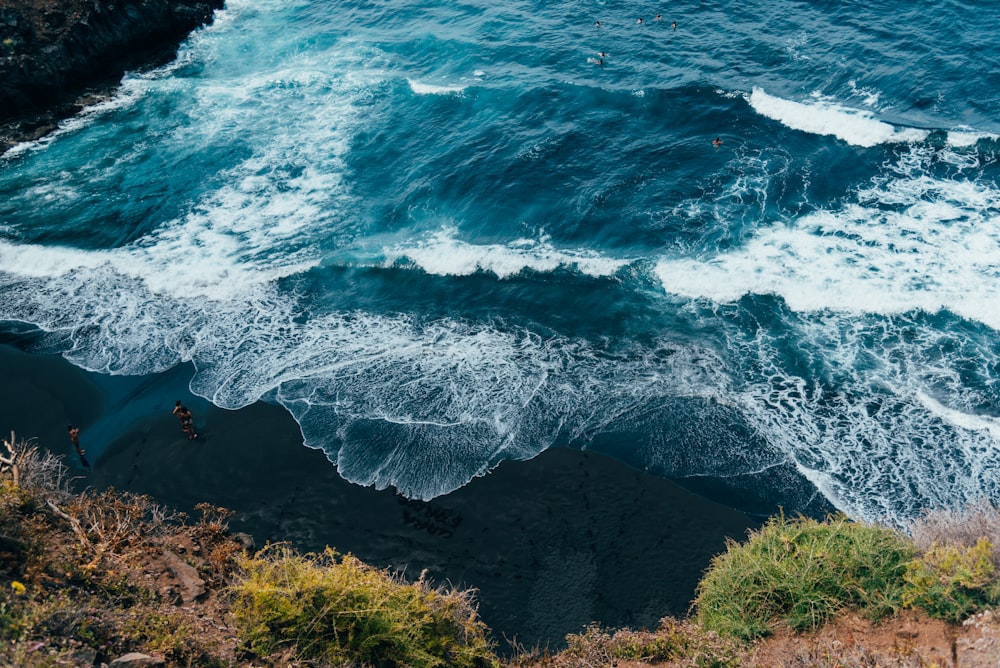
{"points": [[341, 611], [801, 572]]}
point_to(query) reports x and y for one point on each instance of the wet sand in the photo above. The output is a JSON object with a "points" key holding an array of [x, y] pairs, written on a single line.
{"points": [[550, 544]]}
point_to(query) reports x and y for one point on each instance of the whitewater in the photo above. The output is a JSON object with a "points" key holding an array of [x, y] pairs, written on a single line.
{"points": [[446, 235]]}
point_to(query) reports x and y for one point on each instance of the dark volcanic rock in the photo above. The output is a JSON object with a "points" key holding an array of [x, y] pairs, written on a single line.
{"points": [[54, 51]]}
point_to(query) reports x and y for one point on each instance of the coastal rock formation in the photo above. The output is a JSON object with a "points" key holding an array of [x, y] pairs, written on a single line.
{"points": [[53, 52]]}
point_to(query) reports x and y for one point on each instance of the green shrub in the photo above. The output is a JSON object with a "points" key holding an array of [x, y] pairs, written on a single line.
{"points": [[801, 572], [340, 610], [951, 582]]}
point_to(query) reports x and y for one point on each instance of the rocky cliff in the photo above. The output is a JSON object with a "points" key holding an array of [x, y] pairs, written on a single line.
{"points": [[53, 52]]}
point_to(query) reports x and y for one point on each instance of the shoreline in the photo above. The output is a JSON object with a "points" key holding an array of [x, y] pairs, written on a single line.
{"points": [[58, 57], [551, 544]]}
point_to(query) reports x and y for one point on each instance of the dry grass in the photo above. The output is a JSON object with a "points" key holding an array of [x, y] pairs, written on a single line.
{"points": [[79, 573], [677, 643], [959, 528]]}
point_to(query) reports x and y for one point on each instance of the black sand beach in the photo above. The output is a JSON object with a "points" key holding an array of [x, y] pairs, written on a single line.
{"points": [[551, 544]]}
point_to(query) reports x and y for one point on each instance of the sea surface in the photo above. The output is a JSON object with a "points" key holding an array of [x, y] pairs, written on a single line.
{"points": [[443, 235]]}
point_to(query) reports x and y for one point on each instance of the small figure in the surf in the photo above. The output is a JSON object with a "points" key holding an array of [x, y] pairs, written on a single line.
{"points": [[674, 25], [659, 18], [639, 20], [717, 142], [74, 437], [597, 23], [187, 420]]}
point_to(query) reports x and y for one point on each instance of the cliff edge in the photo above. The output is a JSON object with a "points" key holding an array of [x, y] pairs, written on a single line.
{"points": [[56, 53]]}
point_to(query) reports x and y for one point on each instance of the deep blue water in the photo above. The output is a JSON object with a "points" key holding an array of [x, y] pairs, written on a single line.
{"points": [[444, 235]]}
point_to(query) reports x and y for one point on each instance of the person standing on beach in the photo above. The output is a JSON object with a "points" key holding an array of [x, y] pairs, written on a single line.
{"points": [[187, 420], [74, 437]]}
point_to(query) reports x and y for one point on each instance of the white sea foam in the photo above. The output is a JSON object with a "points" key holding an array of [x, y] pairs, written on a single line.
{"points": [[962, 138], [427, 404], [960, 419], [434, 89], [870, 96], [444, 254], [822, 117]]}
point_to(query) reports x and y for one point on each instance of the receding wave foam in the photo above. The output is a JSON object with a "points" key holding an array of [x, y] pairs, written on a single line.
{"points": [[854, 126], [443, 254], [885, 424]]}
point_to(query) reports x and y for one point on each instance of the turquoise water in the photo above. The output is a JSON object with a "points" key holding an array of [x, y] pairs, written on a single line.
{"points": [[445, 235]]}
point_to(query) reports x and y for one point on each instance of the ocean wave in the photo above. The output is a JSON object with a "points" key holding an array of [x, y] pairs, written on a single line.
{"points": [[443, 254], [963, 138], [420, 88], [822, 117], [909, 241]]}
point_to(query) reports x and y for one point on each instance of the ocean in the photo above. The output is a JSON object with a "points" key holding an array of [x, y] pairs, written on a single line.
{"points": [[444, 235]]}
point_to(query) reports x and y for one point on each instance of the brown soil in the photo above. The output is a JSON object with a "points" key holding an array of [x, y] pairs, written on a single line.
{"points": [[909, 640]]}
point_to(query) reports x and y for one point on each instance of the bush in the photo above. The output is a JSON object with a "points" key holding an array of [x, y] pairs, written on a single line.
{"points": [[951, 582], [801, 572], [340, 610]]}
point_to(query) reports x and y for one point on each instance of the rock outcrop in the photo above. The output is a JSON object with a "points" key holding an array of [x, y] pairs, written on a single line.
{"points": [[53, 52]]}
